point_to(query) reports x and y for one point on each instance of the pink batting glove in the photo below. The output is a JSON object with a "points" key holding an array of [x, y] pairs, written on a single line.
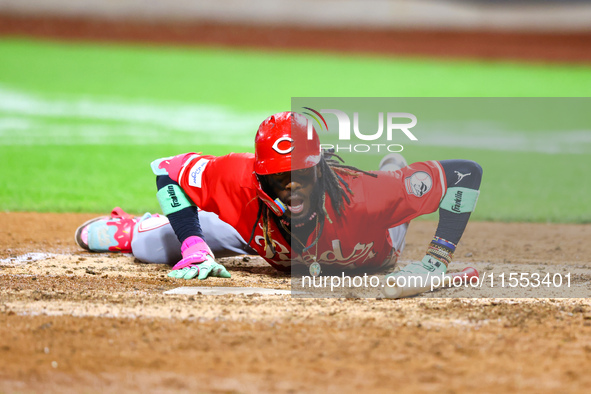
{"points": [[195, 251]]}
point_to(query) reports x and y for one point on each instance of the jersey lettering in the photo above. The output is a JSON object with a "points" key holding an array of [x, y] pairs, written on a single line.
{"points": [[282, 252]]}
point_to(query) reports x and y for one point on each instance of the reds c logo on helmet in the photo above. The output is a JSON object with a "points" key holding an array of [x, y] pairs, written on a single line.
{"points": [[282, 144], [283, 151]]}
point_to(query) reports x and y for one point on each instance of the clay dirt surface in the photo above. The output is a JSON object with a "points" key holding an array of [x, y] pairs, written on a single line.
{"points": [[537, 47], [73, 321]]}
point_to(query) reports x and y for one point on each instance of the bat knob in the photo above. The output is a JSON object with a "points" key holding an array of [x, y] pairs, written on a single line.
{"points": [[392, 291]]}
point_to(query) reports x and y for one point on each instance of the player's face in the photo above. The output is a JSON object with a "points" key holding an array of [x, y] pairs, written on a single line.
{"points": [[296, 189]]}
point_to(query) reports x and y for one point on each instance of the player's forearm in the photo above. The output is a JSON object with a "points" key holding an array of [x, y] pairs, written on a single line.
{"points": [[463, 187], [181, 214]]}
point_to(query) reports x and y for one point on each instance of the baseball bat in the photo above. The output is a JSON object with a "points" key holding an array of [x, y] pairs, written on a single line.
{"points": [[456, 278]]}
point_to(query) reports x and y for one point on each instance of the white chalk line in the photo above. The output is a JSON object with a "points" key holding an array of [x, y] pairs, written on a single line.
{"points": [[32, 119], [26, 258]]}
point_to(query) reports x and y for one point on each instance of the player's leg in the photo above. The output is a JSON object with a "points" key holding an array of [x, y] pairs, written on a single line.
{"points": [[394, 162], [107, 233], [222, 239], [154, 240], [398, 236]]}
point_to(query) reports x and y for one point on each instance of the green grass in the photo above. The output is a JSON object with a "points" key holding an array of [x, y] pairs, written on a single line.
{"points": [[257, 80], [82, 178], [526, 187], [59, 157]]}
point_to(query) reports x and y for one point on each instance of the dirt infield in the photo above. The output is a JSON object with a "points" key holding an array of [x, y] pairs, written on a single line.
{"points": [[537, 47], [73, 321]]}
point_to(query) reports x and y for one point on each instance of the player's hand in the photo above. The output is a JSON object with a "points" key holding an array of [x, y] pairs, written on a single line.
{"points": [[414, 279], [198, 261], [428, 266], [201, 270]]}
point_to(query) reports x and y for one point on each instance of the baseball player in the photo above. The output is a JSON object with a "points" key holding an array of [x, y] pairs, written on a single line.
{"points": [[291, 203]]}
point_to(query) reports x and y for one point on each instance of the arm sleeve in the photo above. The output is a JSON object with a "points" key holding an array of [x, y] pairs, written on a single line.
{"points": [[463, 178]]}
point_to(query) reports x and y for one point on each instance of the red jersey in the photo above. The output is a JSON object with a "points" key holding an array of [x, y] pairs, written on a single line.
{"points": [[357, 237]]}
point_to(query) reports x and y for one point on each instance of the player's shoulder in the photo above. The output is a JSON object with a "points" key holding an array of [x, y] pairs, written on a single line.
{"points": [[235, 163], [233, 167], [381, 184], [359, 179], [238, 158], [430, 168]]}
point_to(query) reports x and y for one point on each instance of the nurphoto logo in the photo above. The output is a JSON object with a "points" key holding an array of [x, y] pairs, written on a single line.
{"points": [[393, 127]]}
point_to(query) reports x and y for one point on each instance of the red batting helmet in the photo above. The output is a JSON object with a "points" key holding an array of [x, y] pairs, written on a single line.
{"points": [[282, 144]]}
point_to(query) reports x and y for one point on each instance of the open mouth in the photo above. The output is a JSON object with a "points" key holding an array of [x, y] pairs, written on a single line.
{"points": [[296, 205]]}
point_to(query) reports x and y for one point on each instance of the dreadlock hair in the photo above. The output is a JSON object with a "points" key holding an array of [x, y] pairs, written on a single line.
{"points": [[332, 183]]}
